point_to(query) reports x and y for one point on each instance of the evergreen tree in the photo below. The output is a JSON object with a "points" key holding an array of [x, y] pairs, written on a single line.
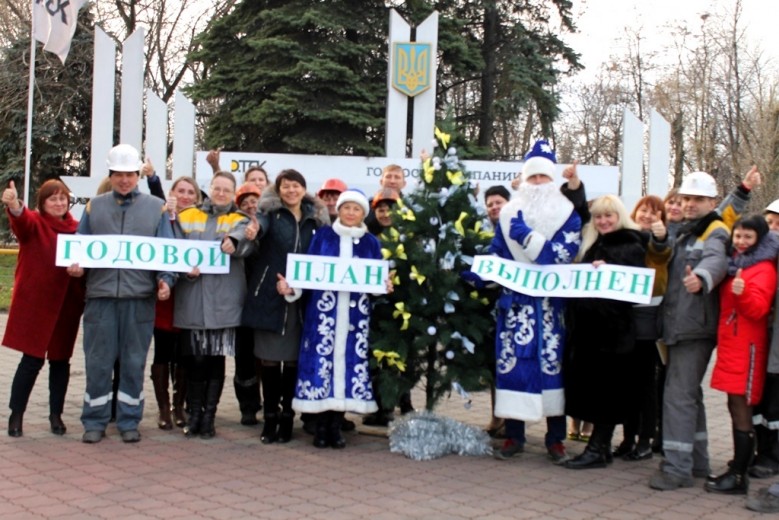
{"points": [[295, 76], [433, 326], [62, 109]]}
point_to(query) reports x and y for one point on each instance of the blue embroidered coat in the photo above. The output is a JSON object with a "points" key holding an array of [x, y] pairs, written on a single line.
{"points": [[530, 332], [333, 370]]}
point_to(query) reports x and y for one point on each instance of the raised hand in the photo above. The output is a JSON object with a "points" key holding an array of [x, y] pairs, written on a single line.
{"points": [[519, 230], [10, 197], [282, 286], [691, 281], [752, 178], [738, 284], [571, 175], [657, 227], [147, 170]]}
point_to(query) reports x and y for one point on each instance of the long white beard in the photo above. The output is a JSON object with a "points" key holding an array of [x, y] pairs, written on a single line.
{"points": [[542, 207]]}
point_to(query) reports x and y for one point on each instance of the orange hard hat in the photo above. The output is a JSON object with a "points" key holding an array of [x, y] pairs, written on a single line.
{"points": [[246, 189], [385, 195], [332, 185]]}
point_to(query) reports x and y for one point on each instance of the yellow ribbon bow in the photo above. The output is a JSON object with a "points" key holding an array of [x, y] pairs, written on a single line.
{"points": [[416, 275], [458, 225], [401, 312], [393, 359], [444, 138], [429, 171], [400, 252], [456, 178]]}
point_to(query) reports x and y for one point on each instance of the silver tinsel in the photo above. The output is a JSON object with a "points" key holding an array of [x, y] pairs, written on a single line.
{"points": [[425, 436]]}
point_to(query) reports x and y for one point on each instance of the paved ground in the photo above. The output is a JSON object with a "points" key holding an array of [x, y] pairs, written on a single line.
{"points": [[235, 476]]}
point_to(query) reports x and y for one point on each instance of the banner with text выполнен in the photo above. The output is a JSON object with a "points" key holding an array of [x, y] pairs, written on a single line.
{"points": [[611, 281]]}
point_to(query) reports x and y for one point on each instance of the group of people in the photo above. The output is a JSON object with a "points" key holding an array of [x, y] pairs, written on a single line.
{"points": [[606, 362], [598, 360], [198, 319]]}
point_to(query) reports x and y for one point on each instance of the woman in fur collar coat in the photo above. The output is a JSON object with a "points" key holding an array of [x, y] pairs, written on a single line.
{"points": [[600, 369], [333, 371], [288, 218]]}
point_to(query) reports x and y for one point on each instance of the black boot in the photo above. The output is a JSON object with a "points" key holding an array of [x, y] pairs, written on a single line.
{"points": [[196, 391], [405, 403], [15, 424], [59, 377], [766, 463], [334, 430], [248, 394], [735, 480], [160, 374], [321, 432], [289, 379], [21, 388], [179, 395], [597, 454], [213, 393], [271, 389]]}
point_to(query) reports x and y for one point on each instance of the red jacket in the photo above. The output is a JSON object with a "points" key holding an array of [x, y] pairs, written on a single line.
{"points": [[742, 336], [47, 303]]}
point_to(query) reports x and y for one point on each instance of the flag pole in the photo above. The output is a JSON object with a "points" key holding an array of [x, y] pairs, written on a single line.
{"points": [[28, 146]]}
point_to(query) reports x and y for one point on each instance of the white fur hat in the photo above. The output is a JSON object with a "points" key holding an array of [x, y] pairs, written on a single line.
{"points": [[540, 160], [353, 195]]}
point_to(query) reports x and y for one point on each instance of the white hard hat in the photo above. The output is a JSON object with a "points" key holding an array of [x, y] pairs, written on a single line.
{"points": [[124, 158], [773, 207], [700, 184]]}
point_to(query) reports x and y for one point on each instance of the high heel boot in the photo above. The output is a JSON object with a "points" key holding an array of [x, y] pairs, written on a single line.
{"points": [[195, 392], [735, 481], [160, 373], [213, 394], [271, 390]]}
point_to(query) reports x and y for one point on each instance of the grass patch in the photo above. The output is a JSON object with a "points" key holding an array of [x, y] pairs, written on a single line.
{"points": [[7, 268]]}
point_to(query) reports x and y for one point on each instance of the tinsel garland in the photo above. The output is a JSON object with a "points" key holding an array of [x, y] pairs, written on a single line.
{"points": [[425, 436]]}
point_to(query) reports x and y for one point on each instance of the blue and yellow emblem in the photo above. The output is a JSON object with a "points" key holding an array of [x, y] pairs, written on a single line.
{"points": [[411, 67]]}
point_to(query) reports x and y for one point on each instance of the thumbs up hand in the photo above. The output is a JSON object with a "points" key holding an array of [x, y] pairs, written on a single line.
{"points": [[691, 281], [147, 170], [10, 197], [657, 227], [752, 178], [571, 175], [738, 284]]}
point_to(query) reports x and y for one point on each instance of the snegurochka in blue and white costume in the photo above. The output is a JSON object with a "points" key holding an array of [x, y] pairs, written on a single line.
{"points": [[538, 226], [333, 369]]}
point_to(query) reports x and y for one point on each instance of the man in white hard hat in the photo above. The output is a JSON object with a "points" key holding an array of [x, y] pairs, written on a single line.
{"points": [[689, 312], [119, 312]]}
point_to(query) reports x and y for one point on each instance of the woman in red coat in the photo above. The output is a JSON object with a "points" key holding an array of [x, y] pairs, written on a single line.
{"points": [[746, 296], [47, 303]]}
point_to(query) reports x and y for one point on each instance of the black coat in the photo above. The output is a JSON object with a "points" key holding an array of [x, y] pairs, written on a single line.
{"points": [[600, 370], [280, 234]]}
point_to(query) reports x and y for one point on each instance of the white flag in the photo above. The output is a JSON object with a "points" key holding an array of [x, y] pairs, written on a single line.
{"points": [[54, 23]]}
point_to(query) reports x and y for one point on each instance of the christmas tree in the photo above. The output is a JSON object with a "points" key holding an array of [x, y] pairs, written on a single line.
{"points": [[432, 328]]}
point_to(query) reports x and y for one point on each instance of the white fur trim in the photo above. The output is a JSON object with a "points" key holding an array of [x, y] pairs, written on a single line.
{"points": [[336, 405], [538, 166], [351, 232], [525, 406]]}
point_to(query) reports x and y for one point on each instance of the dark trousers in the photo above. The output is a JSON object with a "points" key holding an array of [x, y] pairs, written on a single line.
{"points": [[24, 381]]}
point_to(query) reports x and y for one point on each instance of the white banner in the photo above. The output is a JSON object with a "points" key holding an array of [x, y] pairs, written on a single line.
{"points": [[337, 274], [614, 282], [54, 24], [145, 253]]}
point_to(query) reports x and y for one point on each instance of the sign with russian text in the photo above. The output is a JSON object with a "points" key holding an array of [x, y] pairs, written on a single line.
{"points": [[145, 253], [337, 274], [611, 281]]}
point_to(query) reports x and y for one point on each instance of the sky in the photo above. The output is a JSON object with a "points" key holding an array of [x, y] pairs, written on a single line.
{"points": [[602, 22]]}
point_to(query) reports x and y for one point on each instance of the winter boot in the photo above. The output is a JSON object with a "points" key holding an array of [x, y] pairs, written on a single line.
{"points": [[735, 481], [213, 393], [271, 389], [597, 454], [248, 394], [196, 391], [289, 379], [334, 431], [59, 377], [766, 463], [179, 396], [321, 431], [159, 376]]}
